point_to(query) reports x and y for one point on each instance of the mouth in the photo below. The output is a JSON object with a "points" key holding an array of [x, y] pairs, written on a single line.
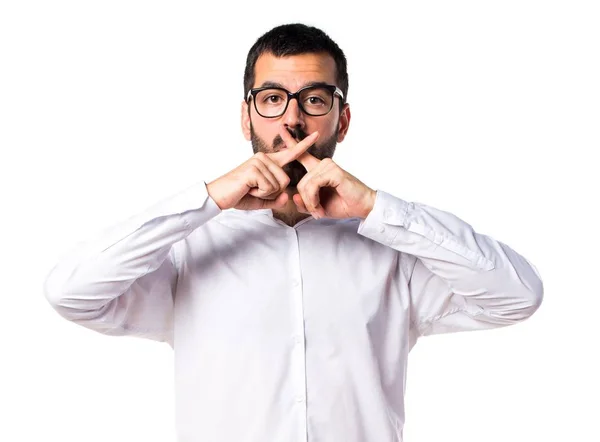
{"points": [[285, 146], [295, 139], [281, 145]]}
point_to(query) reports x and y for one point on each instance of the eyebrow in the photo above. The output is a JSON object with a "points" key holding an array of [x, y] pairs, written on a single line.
{"points": [[275, 84]]}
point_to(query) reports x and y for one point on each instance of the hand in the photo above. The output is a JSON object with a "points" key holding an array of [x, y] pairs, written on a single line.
{"points": [[327, 190], [260, 182]]}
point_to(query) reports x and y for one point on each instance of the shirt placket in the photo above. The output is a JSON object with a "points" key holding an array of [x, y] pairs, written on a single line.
{"points": [[299, 353]]}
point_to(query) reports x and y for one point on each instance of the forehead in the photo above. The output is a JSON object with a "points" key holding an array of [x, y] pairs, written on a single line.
{"points": [[294, 71]]}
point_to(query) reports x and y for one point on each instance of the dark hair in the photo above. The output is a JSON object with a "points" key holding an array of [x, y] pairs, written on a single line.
{"points": [[296, 39]]}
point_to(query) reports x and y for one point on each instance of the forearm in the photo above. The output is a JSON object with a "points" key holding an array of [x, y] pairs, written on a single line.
{"points": [[494, 280], [85, 281]]}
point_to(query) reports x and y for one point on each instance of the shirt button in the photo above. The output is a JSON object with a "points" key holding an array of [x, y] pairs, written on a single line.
{"points": [[299, 398], [297, 339], [382, 229], [296, 283], [388, 213]]}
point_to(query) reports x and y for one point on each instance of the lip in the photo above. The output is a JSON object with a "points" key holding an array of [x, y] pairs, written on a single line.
{"points": [[284, 146]]}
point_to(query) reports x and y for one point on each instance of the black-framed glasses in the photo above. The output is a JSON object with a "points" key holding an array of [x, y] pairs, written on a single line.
{"points": [[316, 101]]}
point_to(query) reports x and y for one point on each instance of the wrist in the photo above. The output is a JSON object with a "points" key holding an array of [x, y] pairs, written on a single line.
{"points": [[210, 189], [371, 196]]}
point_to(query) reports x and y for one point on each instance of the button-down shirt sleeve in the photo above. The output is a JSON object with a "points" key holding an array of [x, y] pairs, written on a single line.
{"points": [[122, 282], [459, 279]]}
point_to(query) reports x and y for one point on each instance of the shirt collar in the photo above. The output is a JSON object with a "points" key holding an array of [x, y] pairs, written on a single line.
{"points": [[256, 212]]}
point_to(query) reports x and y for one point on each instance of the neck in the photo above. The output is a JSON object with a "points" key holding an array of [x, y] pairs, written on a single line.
{"points": [[289, 213]]}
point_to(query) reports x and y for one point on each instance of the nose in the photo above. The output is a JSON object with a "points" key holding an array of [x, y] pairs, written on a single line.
{"points": [[293, 116]]}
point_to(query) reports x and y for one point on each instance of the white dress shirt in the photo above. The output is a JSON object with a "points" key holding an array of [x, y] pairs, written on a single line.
{"points": [[291, 334]]}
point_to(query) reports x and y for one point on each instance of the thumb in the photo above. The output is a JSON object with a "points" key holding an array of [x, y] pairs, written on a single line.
{"points": [[299, 203], [277, 203]]}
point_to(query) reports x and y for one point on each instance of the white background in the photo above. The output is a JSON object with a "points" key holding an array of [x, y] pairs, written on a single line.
{"points": [[486, 109]]}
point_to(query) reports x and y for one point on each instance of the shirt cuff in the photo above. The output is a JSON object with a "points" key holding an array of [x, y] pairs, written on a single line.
{"points": [[191, 200], [388, 210]]}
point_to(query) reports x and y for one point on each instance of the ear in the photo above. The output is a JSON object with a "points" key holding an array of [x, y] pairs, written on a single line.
{"points": [[246, 121], [344, 123]]}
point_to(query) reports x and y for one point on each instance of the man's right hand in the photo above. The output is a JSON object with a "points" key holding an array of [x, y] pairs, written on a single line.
{"points": [[260, 182]]}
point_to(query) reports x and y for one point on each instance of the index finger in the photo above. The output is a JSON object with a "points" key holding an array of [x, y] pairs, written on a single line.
{"points": [[288, 155]]}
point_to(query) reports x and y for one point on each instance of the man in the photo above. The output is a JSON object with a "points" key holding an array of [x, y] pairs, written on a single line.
{"points": [[290, 291]]}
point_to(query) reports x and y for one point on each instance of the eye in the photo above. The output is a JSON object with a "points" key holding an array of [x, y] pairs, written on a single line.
{"points": [[315, 100], [274, 99]]}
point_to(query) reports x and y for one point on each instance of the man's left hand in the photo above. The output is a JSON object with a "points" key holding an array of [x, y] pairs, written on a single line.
{"points": [[329, 191]]}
